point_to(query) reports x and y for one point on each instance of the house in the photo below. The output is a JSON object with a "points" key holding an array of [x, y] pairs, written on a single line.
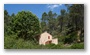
{"points": [[46, 38]]}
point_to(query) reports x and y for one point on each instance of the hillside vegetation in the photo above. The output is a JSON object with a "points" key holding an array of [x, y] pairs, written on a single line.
{"points": [[21, 29]]}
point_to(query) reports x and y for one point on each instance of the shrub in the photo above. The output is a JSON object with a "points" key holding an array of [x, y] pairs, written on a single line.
{"points": [[9, 41], [78, 46]]}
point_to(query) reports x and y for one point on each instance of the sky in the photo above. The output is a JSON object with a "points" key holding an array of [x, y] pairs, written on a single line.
{"points": [[37, 9]]}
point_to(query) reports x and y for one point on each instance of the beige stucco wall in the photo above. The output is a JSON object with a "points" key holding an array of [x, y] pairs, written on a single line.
{"points": [[55, 41]]}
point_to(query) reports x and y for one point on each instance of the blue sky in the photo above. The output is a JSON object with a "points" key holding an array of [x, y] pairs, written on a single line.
{"points": [[36, 9]]}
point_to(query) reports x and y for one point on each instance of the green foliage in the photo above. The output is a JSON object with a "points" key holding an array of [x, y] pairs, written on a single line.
{"points": [[77, 15], [19, 28], [78, 46], [9, 41], [72, 37], [7, 21], [26, 25]]}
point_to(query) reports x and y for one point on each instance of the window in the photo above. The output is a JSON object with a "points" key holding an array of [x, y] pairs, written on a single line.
{"points": [[48, 37]]}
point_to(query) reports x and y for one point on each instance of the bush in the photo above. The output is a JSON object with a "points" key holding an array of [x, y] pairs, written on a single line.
{"points": [[78, 46], [9, 41]]}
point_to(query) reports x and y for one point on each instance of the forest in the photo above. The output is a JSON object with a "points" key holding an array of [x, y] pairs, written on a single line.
{"points": [[21, 29]]}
